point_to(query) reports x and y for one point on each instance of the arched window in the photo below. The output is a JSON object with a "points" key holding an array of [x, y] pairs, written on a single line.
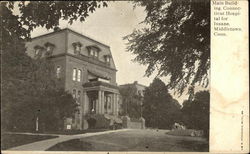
{"points": [[58, 71], [79, 75], [74, 74]]}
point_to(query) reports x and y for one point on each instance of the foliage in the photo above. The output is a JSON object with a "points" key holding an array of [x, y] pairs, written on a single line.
{"points": [[29, 88], [36, 95], [175, 41], [160, 110], [44, 13], [196, 112], [57, 106], [131, 101]]}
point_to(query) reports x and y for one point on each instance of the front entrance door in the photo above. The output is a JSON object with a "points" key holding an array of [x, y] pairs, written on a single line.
{"points": [[92, 107]]}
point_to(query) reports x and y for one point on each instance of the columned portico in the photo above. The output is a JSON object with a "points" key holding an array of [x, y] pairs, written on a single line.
{"points": [[99, 93], [99, 99]]}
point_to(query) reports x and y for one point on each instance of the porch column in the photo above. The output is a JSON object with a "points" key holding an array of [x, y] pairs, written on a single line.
{"points": [[116, 104], [84, 103], [98, 110], [113, 103], [102, 102]]}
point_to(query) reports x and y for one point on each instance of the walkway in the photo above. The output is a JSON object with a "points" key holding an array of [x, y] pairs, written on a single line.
{"points": [[45, 144]]}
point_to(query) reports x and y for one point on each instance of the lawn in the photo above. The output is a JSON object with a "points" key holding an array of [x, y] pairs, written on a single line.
{"points": [[72, 145], [134, 140], [180, 132], [13, 140]]}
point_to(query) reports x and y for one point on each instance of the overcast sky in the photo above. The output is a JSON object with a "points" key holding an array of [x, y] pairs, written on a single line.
{"points": [[109, 25]]}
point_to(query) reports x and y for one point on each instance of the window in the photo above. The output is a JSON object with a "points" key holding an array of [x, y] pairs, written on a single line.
{"points": [[95, 54], [139, 92], [107, 59], [78, 96], [58, 71], [77, 47], [93, 51], [74, 74], [79, 74], [74, 94], [38, 51], [49, 48]]}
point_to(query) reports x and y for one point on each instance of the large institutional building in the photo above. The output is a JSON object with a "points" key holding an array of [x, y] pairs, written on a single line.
{"points": [[86, 69], [139, 87], [139, 91]]}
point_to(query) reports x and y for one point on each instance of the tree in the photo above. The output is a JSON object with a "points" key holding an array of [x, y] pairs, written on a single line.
{"points": [[196, 112], [51, 103], [15, 67], [131, 101], [36, 95], [43, 13], [159, 108], [175, 42], [26, 82], [57, 106]]}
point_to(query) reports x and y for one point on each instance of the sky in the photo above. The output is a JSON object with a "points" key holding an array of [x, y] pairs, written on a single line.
{"points": [[109, 25]]}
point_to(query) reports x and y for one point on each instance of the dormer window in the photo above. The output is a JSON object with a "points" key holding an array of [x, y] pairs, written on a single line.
{"points": [[93, 51], [107, 58], [77, 47], [38, 51], [49, 48]]}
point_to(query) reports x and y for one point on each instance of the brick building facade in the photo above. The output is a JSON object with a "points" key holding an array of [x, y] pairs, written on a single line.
{"points": [[86, 69]]}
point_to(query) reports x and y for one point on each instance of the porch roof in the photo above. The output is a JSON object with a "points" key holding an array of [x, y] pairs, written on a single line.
{"points": [[99, 83], [98, 74]]}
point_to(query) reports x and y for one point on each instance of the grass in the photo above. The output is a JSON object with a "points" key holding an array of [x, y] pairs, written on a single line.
{"points": [[134, 140], [72, 145], [12, 140]]}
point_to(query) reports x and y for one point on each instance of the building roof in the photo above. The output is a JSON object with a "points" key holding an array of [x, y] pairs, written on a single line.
{"points": [[75, 32], [85, 58], [134, 83]]}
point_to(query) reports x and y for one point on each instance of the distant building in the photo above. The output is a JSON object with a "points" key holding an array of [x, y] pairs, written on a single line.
{"points": [[132, 110], [85, 68], [140, 89]]}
